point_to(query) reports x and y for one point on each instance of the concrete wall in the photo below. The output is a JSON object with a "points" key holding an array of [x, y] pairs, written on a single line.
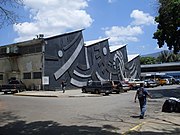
{"points": [[117, 64], [30, 63], [62, 56], [68, 58], [134, 68], [15, 66]]}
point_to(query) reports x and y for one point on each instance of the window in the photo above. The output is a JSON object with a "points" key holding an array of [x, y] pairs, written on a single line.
{"points": [[1, 77], [27, 75], [37, 75], [31, 49]]}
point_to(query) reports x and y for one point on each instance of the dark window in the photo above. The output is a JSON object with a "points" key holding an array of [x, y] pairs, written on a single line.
{"points": [[27, 75], [37, 75], [38, 48], [1, 77], [31, 49], [3, 50]]}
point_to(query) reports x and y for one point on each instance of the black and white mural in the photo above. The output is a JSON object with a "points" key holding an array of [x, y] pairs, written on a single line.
{"points": [[67, 57], [133, 64]]}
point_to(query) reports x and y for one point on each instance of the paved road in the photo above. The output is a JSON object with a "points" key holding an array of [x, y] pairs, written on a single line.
{"points": [[112, 114]]}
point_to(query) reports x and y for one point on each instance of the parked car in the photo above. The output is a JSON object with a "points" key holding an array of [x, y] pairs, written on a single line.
{"points": [[125, 86], [13, 86], [150, 83], [177, 81], [98, 87], [168, 80], [171, 105], [0, 88], [135, 83], [163, 81], [117, 86]]}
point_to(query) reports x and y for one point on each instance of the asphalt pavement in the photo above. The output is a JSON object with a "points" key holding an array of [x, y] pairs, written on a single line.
{"points": [[161, 124]]}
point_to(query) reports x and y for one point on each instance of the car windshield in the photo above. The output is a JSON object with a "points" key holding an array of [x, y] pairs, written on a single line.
{"points": [[13, 82]]}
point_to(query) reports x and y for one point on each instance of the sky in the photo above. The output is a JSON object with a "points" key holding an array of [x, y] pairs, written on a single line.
{"points": [[128, 22]]}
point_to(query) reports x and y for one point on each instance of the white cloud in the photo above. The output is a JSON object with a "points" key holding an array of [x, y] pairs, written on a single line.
{"points": [[121, 35], [141, 18], [52, 17], [111, 1]]}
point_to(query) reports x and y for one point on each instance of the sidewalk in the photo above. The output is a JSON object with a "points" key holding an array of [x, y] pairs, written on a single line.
{"points": [[164, 126], [68, 93], [165, 123]]}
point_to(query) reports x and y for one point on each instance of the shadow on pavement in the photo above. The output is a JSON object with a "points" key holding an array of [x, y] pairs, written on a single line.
{"points": [[12, 125], [135, 116], [165, 93], [50, 128]]}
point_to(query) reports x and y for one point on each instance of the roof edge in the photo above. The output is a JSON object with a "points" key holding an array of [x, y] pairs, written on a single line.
{"points": [[133, 56], [117, 47], [92, 42], [63, 34]]}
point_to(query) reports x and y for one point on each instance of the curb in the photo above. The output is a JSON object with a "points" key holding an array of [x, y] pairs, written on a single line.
{"points": [[57, 96], [17, 94], [134, 129], [85, 95]]}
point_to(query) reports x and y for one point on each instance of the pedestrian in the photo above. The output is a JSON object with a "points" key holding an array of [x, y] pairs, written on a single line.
{"points": [[63, 85], [142, 95]]}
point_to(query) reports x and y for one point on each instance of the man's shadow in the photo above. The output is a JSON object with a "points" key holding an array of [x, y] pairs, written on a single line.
{"points": [[135, 116]]}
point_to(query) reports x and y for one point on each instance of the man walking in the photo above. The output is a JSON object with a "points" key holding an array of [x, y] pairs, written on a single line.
{"points": [[142, 95], [63, 85]]}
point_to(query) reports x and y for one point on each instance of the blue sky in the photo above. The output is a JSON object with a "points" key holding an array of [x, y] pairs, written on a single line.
{"points": [[124, 21]]}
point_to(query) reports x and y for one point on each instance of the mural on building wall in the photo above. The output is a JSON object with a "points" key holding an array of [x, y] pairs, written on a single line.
{"points": [[67, 57], [134, 67], [97, 61], [119, 65]]}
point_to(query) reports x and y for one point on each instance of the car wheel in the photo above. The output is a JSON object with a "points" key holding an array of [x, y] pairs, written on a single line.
{"points": [[84, 90], [96, 91], [117, 92], [5, 92]]}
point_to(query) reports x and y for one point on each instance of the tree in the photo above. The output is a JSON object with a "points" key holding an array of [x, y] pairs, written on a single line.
{"points": [[168, 29], [166, 56], [7, 13], [147, 60]]}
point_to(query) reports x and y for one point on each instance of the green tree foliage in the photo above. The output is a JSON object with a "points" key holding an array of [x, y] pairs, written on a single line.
{"points": [[164, 57], [167, 56], [147, 60], [168, 29], [7, 11]]}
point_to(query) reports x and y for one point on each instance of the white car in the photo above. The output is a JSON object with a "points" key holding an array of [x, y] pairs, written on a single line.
{"points": [[135, 83]]}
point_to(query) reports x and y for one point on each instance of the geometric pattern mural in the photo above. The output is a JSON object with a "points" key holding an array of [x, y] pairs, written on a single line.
{"points": [[69, 58]]}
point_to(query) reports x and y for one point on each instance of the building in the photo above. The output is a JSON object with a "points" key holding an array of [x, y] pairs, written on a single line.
{"points": [[43, 63], [133, 66], [172, 69]]}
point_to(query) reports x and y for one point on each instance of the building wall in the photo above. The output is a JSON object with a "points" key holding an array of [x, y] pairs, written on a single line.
{"points": [[16, 66], [134, 68], [62, 55], [66, 57], [5, 70], [117, 64], [31, 64], [98, 56]]}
